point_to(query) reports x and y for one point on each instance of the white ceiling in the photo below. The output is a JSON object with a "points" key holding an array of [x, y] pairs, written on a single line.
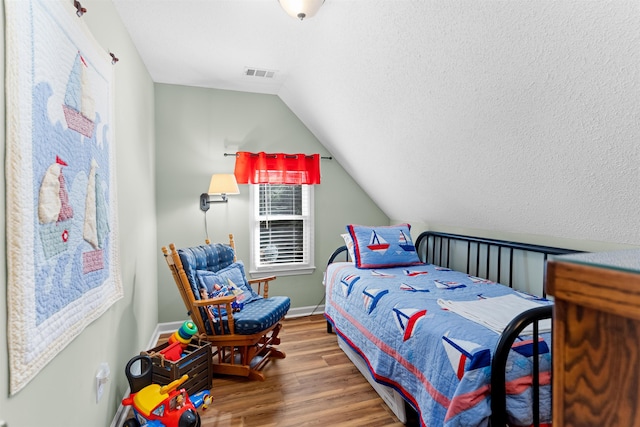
{"points": [[210, 43], [488, 114]]}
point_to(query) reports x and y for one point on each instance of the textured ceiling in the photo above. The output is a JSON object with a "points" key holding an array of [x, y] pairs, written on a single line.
{"points": [[518, 116]]}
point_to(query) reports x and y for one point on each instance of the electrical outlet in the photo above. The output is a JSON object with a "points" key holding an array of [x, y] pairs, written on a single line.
{"points": [[102, 377]]}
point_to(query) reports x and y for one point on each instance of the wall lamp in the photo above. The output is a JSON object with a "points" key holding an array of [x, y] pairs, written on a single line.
{"points": [[222, 184]]}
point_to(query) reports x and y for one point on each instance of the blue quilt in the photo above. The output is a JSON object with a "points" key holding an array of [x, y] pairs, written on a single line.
{"points": [[439, 361]]}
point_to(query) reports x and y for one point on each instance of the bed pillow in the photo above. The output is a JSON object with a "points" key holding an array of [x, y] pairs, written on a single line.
{"points": [[232, 278], [384, 246], [348, 241]]}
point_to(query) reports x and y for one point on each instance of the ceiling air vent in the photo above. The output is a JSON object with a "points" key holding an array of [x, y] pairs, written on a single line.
{"points": [[259, 72]]}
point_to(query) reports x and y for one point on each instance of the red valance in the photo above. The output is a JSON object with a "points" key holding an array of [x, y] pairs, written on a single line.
{"points": [[277, 168]]}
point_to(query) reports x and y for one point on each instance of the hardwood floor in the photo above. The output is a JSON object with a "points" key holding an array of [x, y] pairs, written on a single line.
{"points": [[316, 385]]}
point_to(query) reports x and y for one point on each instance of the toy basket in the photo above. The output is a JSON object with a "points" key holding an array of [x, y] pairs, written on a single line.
{"points": [[196, 362]]}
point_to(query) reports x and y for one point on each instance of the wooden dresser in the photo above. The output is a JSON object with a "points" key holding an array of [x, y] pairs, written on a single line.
{"points": [[596, 341]]}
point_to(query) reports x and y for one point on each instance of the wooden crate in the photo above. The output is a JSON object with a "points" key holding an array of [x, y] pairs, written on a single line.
{"points": [[196, 363]]}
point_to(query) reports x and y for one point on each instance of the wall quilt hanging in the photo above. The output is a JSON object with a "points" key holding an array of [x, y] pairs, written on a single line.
{"points": [[62, 237]]}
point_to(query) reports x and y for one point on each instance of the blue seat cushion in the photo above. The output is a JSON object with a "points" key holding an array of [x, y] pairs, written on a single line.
{"points": [[257, 316], [207, 265]]}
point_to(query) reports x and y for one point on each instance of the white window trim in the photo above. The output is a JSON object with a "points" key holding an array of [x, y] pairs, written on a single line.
{"points": [[280, 269]]}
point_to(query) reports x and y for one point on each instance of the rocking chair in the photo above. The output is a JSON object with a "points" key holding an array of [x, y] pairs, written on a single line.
{"points": [[240, 322]]}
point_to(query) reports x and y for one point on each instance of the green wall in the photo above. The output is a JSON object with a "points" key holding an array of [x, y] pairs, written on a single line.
{"points": [[194, 128]]}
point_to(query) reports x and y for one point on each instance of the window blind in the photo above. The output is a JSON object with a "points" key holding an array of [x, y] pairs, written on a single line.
{"points": [[284, 225]]}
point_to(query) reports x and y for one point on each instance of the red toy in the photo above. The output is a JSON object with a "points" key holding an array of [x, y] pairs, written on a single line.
{"points": [[179, 340], [162, 406]]}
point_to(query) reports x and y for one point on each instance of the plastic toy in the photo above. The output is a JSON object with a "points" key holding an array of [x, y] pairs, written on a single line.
{"points": [[184, 334], [162, 406], [237, 306], [179, 340]]}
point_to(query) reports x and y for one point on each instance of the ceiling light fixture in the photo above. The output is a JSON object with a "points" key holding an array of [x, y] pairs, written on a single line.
{"points": [[301, 8]]}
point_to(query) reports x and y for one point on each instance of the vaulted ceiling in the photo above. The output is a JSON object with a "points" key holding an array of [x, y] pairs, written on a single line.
{"points": [[519, 116]]}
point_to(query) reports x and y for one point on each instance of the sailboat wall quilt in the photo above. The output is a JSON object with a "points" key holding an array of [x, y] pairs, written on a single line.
{"points": [[62, 234]]}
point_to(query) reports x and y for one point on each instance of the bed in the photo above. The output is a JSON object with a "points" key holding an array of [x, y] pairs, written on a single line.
{"points": [[451, 336]]}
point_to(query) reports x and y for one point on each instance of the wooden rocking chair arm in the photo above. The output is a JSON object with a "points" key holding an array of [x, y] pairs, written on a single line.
{"points": [[214, 301], [262, 284], [262, 279]]}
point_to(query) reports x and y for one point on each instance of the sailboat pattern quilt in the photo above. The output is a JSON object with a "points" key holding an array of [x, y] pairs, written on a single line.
{"points": [[398, 320], [62, 238]]}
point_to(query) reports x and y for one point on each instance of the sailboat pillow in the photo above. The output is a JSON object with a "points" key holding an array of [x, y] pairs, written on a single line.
{"points": [[384, 246]]}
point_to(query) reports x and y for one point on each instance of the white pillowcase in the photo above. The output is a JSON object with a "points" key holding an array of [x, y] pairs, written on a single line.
{"points": [[348, 241]]}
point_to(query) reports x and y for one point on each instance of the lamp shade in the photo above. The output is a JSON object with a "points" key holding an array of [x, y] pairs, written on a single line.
{"points": [[301, 8], [223, 183]]}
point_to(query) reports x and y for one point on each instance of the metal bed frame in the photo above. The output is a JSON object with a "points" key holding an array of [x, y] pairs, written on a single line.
{"points": [[494, 256]]}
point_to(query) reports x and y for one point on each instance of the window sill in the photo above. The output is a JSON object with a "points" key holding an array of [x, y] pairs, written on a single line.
{"points": [[282, 271]]}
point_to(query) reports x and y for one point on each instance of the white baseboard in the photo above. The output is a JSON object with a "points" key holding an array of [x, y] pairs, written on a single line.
{"points": [[304, 311], [163, 328]]}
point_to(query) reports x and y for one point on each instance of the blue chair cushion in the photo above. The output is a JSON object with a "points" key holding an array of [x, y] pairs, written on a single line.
{"points": [[206, 265], [234, 273], [257, 316], [213, 257]]}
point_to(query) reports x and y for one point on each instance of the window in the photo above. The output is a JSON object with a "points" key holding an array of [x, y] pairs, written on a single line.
{"points": [[282, 229]]}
